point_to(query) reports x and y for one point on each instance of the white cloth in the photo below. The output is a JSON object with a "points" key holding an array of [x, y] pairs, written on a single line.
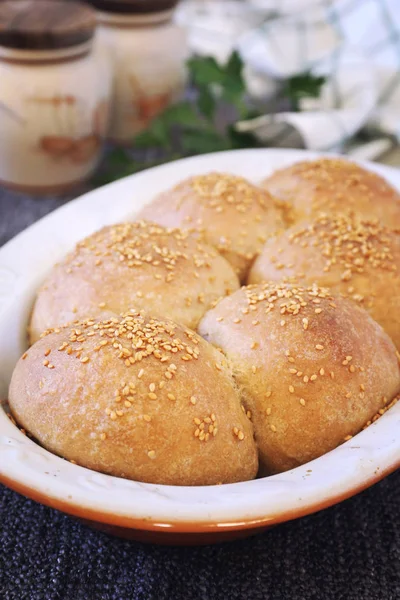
{"points": [[355, 43]]}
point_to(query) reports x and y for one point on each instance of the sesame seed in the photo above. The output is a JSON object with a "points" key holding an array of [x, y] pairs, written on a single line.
{"points": [[151, 454], [152, 396], [85, 359], [273, 428], [147, 418], [352, 368], [253, 369], [152, 387], [103, 436], [193, 400], [291, 389], [268, 411], [319, 347], [47, 352]]}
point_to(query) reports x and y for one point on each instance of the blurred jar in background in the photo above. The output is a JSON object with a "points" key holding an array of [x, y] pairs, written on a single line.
{"points": [[54, 95], [149, 53]]}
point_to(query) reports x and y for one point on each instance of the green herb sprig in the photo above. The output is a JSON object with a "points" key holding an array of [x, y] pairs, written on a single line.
{"points": [[203, 124]]}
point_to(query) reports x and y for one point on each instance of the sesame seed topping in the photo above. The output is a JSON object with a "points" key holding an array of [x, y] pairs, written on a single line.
{"points": [[151, 454], [349, 242]]}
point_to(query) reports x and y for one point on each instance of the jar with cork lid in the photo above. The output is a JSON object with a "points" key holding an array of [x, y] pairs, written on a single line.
{"points": [[149, 53], [55, 88]]}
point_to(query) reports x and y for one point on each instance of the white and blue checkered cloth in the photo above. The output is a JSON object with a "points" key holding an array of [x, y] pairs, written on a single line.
{"points": [[355, 43]]}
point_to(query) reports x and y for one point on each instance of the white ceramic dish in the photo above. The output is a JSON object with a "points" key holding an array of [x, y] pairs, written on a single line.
{"points": [[155, 512]]}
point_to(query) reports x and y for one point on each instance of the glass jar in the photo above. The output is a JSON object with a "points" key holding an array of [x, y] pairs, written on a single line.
{"points": [[55, 92], [149, 53]]}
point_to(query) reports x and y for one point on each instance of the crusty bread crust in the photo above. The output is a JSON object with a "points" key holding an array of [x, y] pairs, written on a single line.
{"points": [[232, 214], [142, 265], [357, 258], [135, 397], [334, 185], [313, 368]]}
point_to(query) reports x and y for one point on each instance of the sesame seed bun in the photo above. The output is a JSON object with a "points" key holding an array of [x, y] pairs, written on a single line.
{"points": [[135, 397], [165, 271], [357, 258], [313, 368], [334, 185], [233, 215]]}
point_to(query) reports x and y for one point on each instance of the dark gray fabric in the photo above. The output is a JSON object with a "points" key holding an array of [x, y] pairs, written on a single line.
{"points": [[349, 552]]}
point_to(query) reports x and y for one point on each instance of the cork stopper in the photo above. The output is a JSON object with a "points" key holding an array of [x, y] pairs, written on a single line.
{"points": [[134, 7], [45, 24]]}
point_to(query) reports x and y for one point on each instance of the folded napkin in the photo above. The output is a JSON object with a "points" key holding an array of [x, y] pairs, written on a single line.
{"points": [[355, 44]]}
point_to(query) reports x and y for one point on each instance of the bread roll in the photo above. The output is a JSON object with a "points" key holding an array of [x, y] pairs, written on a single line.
{"points": [[165, 271], [334, 185], [359, 259], [234, 215], [313, 368], [135, 397]]}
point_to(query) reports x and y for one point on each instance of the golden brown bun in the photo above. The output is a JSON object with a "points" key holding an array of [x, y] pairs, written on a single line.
{"points": [[313, 368], [138, 398], [233, 215], [334, 185], [359, 259], [167, 272]]}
